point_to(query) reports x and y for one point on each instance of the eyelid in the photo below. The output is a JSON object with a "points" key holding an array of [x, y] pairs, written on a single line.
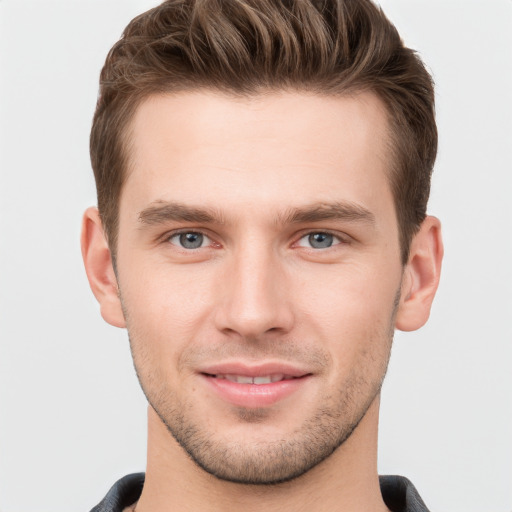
{"points": [[341, 238], [166, 238]]}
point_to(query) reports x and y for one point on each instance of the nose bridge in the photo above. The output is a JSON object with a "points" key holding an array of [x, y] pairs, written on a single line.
{"points": [[255, 294]]}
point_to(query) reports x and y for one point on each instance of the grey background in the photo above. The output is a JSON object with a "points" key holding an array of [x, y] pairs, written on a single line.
{"points": [[72, 418]]}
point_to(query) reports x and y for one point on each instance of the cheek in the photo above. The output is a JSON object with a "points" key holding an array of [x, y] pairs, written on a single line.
{"points": [[163, 293], [352, 314], [164, 312], [349, 295]]}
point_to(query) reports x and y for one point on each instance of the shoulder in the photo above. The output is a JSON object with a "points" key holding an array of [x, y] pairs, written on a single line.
{"points": [[400, 495], [124, 493]]}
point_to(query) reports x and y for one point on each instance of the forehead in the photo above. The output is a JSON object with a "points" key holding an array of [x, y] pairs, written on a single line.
{"points": [[272, 148]]}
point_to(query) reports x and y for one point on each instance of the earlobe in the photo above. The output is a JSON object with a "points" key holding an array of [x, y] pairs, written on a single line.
{"points": [[98, 266], [421, 276]]}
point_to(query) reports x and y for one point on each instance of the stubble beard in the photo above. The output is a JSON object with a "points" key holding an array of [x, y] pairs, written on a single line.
{"points": [[275, 461], [264, 463]]}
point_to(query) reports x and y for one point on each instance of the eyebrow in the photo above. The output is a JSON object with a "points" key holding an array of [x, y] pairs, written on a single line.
{"points": [[161, 212], [318, 212]]}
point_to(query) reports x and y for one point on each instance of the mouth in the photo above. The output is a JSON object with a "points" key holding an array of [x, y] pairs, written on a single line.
{"points": [[258, 381], [255, 386]]}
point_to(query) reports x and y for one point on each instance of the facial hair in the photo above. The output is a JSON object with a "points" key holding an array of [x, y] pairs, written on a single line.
{"points": [[270, 462]]}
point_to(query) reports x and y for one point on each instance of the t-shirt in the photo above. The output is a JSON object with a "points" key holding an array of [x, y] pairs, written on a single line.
{"points": [[397, 491]]}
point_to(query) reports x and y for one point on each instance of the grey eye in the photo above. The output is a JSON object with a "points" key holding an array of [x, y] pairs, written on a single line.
{"points": [[319, 240], [190, 240]]}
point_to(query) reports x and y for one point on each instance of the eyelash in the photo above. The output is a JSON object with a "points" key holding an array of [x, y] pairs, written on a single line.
{"points": [[338, 239], [174, 234]]}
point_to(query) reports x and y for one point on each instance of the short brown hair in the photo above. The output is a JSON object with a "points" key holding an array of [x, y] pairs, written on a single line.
{"points": [[328, 47]]}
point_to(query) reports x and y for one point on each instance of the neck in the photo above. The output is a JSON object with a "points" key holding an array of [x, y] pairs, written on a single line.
{"points": [[347, 480]]}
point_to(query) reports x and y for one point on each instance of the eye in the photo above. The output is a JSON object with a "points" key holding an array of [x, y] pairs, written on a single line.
{"points": [[190, 240], [319, 240]]}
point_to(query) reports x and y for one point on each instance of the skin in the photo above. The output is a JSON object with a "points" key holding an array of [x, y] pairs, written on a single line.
{"points": [[256, 177]]}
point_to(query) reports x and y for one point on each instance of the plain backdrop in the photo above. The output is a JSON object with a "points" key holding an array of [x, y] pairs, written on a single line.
{"points": [[72, 417]]}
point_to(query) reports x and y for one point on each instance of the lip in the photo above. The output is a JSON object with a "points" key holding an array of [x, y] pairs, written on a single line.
{"points": [[254, 370], [254, 395]]}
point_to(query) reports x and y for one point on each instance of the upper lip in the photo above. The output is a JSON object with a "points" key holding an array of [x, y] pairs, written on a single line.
{"points": [[254, 369]]}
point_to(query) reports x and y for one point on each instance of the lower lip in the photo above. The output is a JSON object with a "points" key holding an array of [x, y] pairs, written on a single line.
{"points": [[254, 395]]}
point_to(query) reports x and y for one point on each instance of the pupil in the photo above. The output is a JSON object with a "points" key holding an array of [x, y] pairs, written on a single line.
{"points": [[320, 240], [191, 240]]}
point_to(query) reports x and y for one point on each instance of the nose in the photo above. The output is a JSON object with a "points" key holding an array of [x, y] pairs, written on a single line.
{"points": [[254, 295]]}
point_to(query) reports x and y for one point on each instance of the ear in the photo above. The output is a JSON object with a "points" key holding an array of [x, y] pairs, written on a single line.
{"points": [[421, 276], [100, 271]]}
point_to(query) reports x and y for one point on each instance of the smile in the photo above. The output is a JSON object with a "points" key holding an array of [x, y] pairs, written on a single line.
{"points": [[259, 380], [257, 386]]}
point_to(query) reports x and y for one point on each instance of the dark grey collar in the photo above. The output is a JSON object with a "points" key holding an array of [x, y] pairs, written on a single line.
{"points": [[397, 491]]}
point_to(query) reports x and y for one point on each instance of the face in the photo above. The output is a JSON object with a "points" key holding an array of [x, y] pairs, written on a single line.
{"points": [[258, 266]]}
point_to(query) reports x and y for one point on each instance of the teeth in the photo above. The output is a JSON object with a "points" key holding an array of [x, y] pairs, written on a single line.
{"points": [[263, 379], [240, 379]]}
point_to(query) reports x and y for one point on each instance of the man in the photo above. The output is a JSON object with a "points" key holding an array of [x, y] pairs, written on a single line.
{"points": [[262, 171]]}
